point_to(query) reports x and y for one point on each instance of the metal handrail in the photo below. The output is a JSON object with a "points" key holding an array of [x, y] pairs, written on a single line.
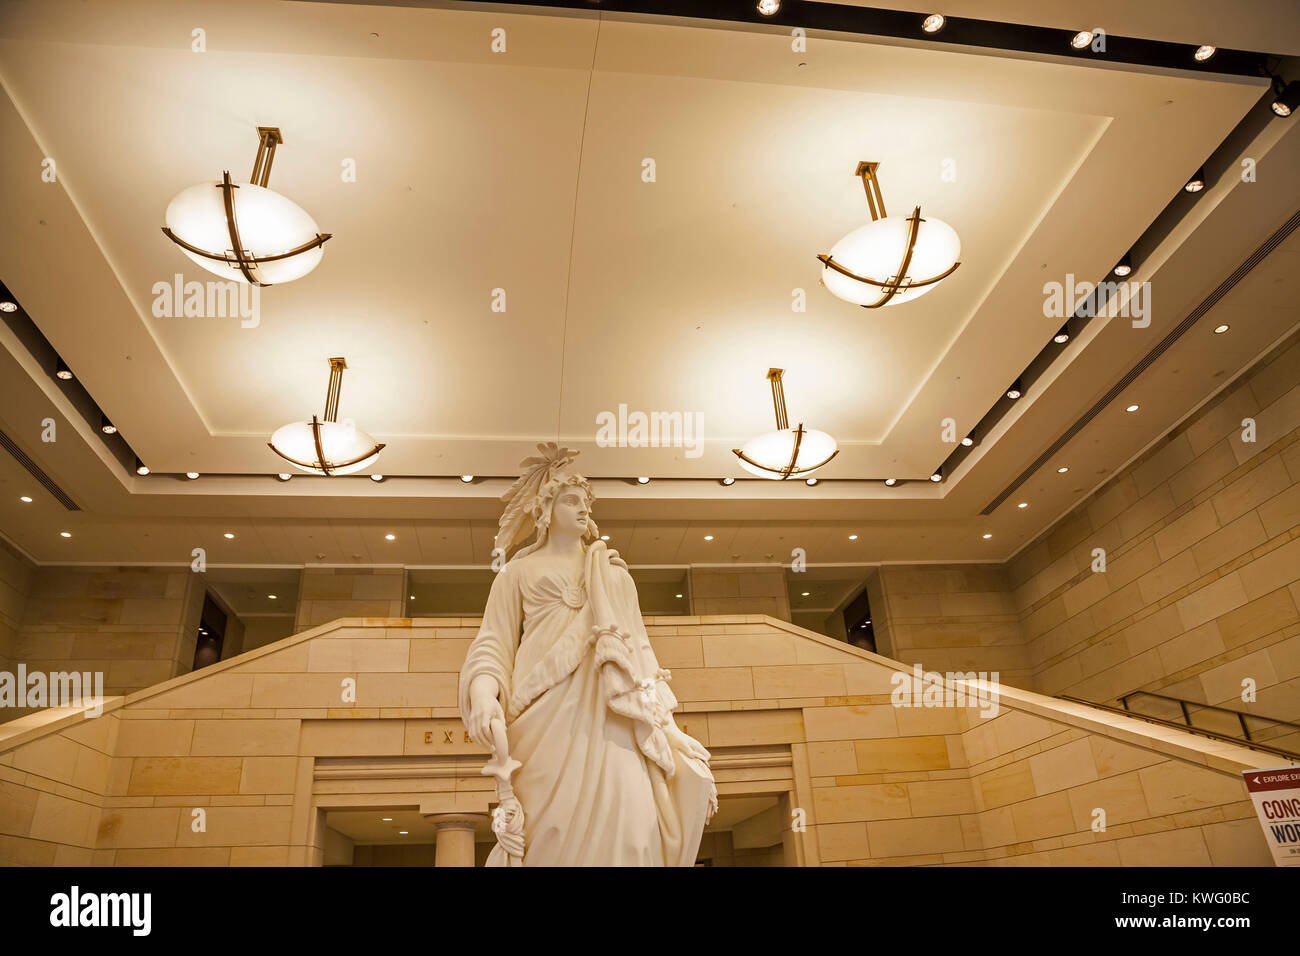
{"points": [[1213, 735], [1241, 715]]}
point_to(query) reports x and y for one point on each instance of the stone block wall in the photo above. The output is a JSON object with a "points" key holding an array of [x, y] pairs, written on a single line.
{"points": [[325, 594], [15, 579], [747, 590]]}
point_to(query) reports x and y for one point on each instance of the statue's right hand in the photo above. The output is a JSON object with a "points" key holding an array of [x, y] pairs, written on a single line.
{"points": [[483, 709]]}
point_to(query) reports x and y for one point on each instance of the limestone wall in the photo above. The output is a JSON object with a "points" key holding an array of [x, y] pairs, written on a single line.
{"points": [[264, 743], [15, 579]]}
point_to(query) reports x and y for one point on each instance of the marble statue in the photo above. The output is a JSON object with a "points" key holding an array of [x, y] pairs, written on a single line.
{"points": [[562, 685]]}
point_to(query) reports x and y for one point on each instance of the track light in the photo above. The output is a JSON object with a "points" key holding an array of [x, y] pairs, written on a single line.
{"points": [[1015, 391], [141, 468], [1063, 336], [61, 370], [1203, 53], [1288, 97], [1125, 266], [933, 23], [1197, 182], [890, 482], [107, 427]]}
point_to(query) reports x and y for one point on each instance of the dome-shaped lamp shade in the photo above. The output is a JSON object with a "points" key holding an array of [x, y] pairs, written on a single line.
{"points": [[876, 252], [345, 449], [270, 228], [773, 455]]}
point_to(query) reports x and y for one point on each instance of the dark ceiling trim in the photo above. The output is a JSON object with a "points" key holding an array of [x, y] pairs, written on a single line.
{"points": [[872, 21], [37, 472], [1205, 305]]}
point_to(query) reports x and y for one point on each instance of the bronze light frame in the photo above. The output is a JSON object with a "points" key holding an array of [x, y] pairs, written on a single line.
{"points": [[897, 282], [782, 424], [337, 365], [268, 138]]}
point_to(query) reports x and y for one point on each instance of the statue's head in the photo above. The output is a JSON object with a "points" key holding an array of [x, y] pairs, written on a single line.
{"points": [[549, 496]]}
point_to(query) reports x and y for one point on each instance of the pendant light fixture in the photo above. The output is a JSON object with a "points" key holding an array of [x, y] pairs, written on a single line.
{"points": [[247, 233], [326, 446], [787, 452], [891, 259]]}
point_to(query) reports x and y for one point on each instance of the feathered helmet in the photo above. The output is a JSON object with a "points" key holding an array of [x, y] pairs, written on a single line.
{"points": [[528, 502]]}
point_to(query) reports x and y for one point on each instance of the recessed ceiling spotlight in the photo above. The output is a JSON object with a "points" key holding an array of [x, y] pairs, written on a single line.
{"points": [[937, 476], [388, 819], [1203, 53], [25, 499], [1288, 97], [65, 534], [1023, 504], [933, 23], [191, 475], [805, 593], [272, 596], [403, 832], [678, 595], [283, 477], [1124, 266], [228, 534], [604, 537], [61, 370], [1197, 182], [467, 478], [1015, 391], [1063, 469], [1081, 39], [853, 537], [728, 481], [141, 468], [987, 536], [643, 480], [810, 482], [968, 441], [1063, 336], [891, 482], [708, 537], [107, 427], [390, 537], [1132, 408], [769, 8], [1220, 329], [8, 306], [376, 477]]}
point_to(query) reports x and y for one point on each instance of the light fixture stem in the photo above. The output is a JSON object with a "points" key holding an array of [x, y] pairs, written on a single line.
{"points": [[778, 397], [871, 183], [268, 137], [337, 365]]}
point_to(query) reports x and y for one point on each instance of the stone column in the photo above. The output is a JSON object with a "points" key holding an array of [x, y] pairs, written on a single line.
{"points": [[454, 839]]}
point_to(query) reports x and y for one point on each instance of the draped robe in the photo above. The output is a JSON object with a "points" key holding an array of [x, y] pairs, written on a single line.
{"points": [[586, 707]]}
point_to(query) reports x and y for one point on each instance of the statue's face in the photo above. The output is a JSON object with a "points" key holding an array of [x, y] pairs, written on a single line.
{"points": [[570, 511]]}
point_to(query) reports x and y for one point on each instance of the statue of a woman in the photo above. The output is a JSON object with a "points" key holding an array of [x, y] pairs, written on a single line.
{"points": [[607, 776]]}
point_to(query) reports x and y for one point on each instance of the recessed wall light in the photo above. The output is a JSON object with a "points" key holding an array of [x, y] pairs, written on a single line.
{"points": [[390, 537], [1220, 329], [1063, 469], [708, 537], [1081, 39], [1132, 408], [1197, 182], [25, 499], [65, 534], [229, 534], [8, 306], [933, 23], [987, 536], [1023, 504], [643, 481], [62, 371], [1203, 53], [191, 475], [891, 482]]}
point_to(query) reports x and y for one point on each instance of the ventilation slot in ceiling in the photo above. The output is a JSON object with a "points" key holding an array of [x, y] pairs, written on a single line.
{"points": [[46, 481], [1206, 304]]}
